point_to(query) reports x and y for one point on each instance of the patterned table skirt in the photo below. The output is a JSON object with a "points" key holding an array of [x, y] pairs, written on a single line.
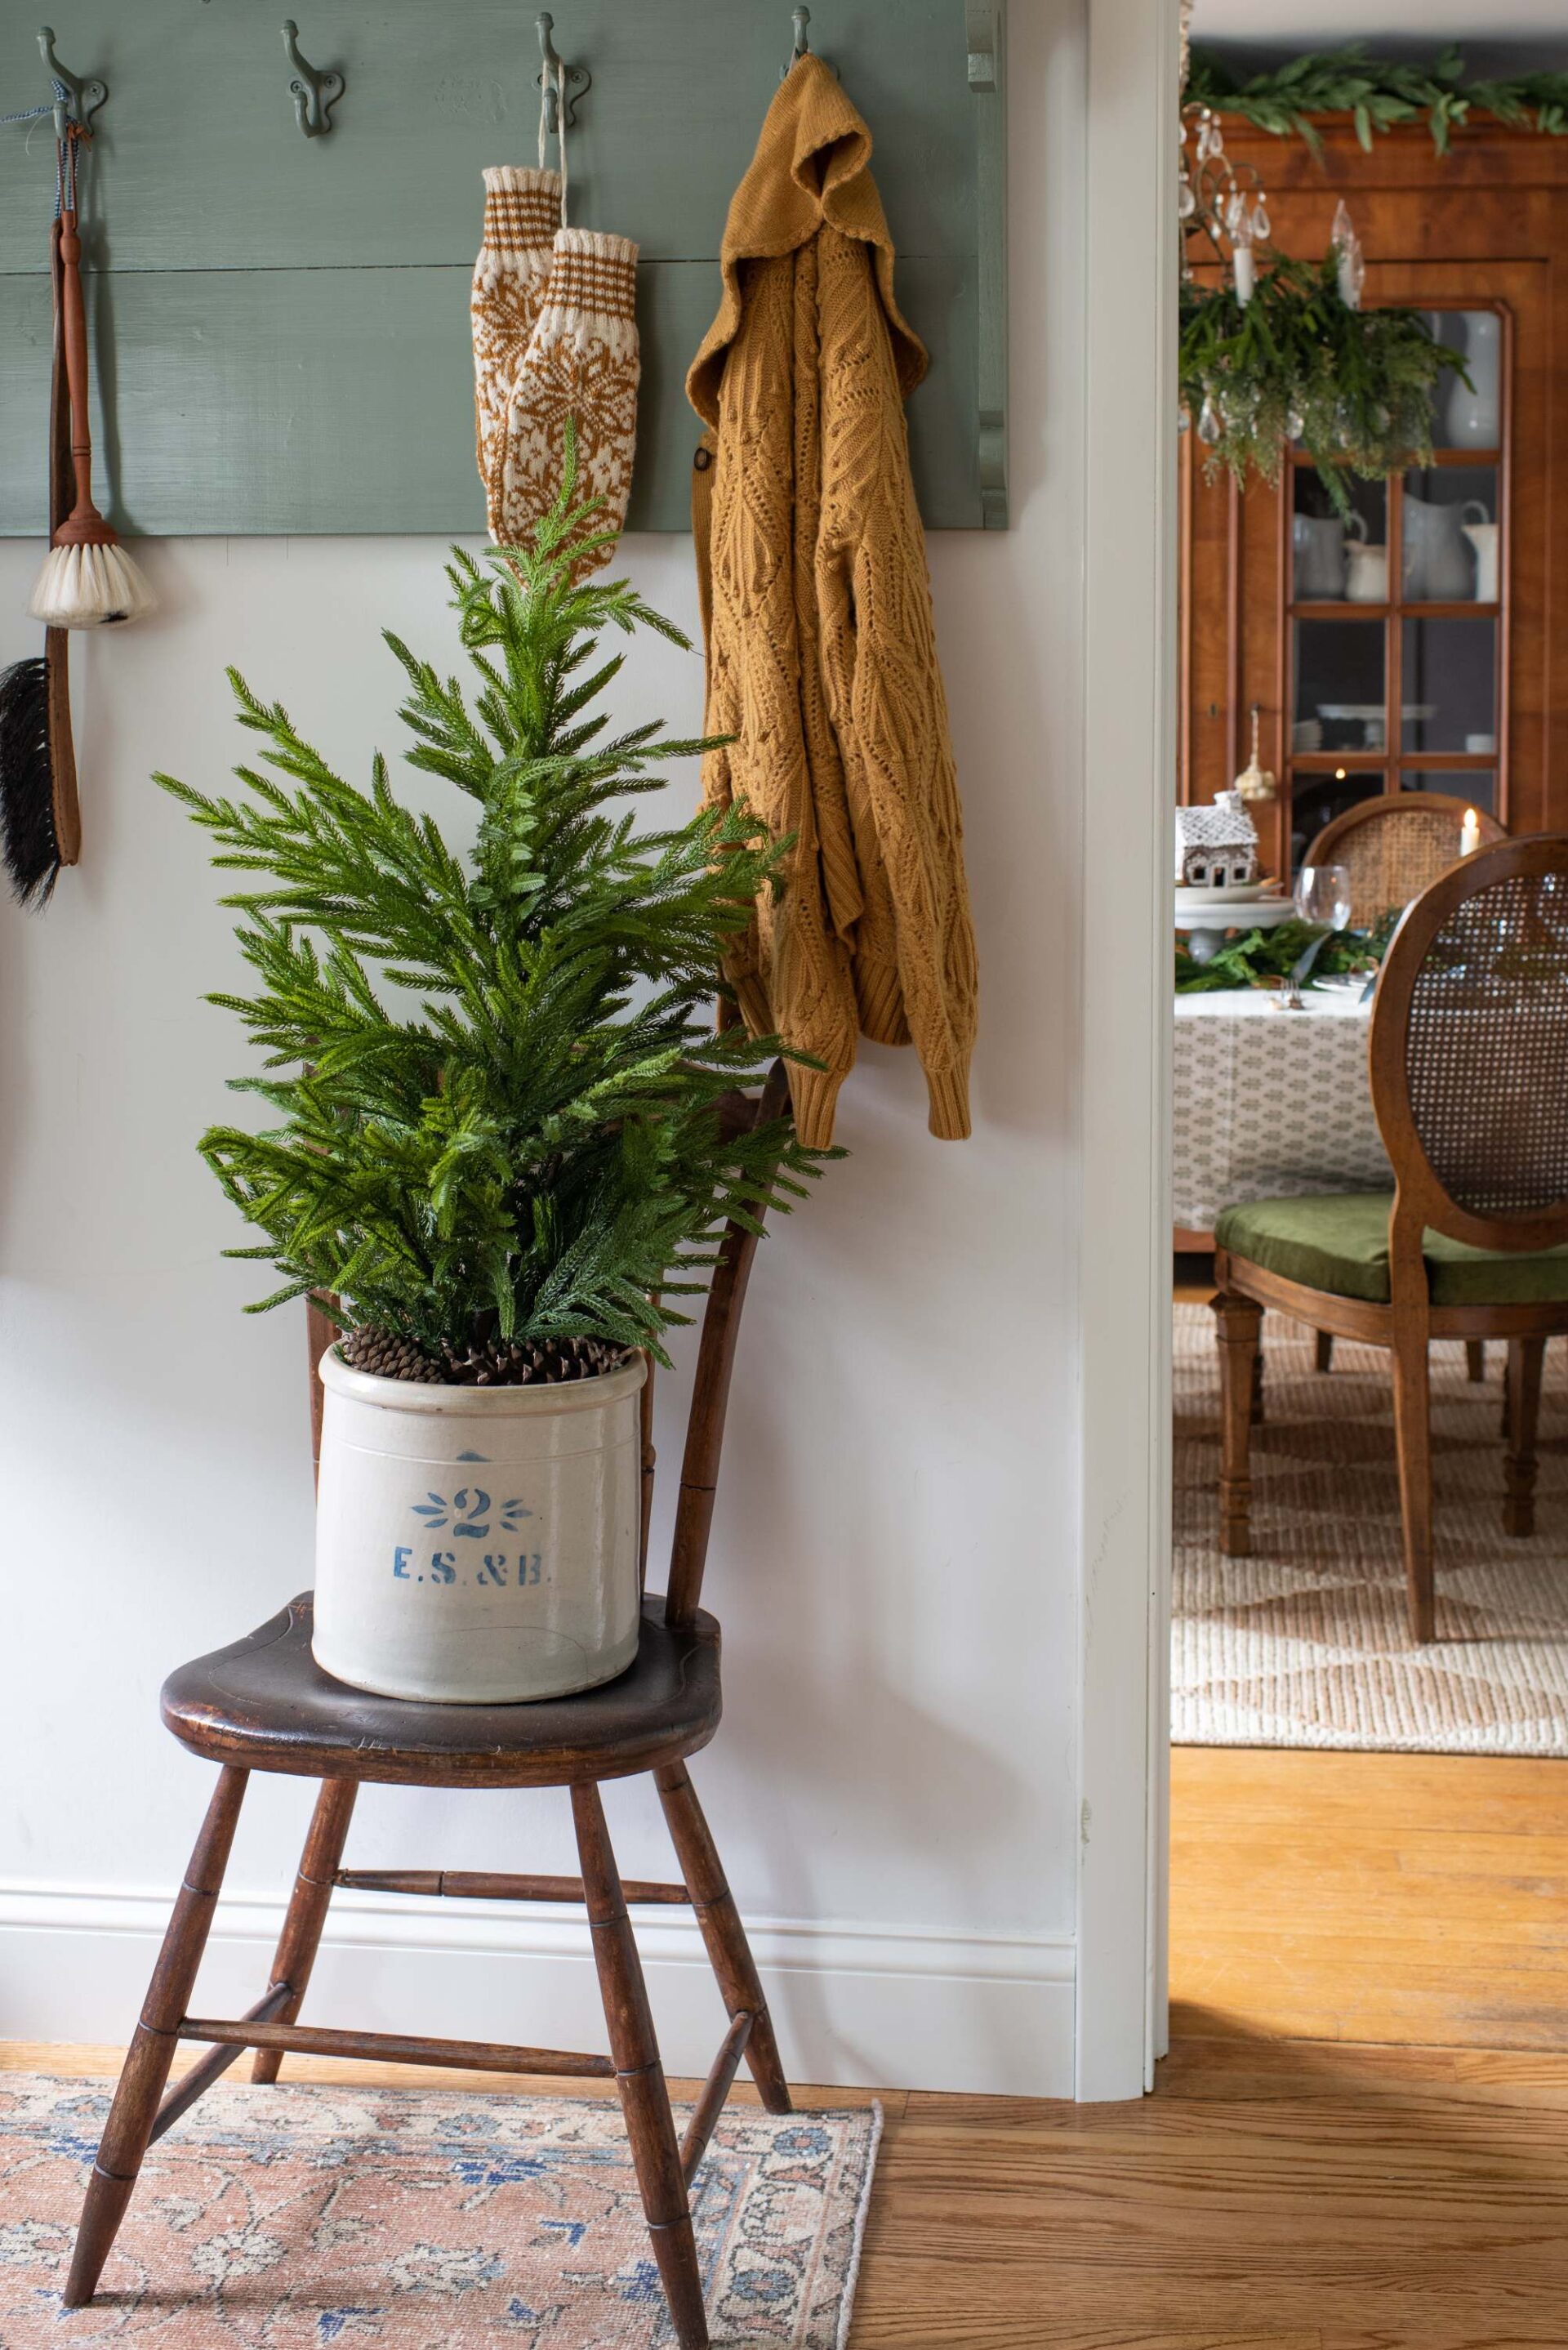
{"points": [[1270, 1105]]}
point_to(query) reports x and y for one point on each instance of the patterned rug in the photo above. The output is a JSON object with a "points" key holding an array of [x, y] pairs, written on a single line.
{"points": [[420, 2220], [1304, 1643]]}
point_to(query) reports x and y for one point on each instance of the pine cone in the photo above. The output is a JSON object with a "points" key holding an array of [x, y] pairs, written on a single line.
{"points": [[496, 1364], [500, 1364], [385, 1355]]}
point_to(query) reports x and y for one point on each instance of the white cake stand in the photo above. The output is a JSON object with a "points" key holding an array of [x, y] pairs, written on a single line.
{"points": [[1207, 922]]}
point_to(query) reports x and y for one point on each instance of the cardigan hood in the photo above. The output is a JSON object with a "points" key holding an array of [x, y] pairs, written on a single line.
{"points": [[810, 170]]}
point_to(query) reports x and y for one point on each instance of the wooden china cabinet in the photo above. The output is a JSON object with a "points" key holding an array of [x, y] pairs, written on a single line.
{"points": [[1439, 664]]}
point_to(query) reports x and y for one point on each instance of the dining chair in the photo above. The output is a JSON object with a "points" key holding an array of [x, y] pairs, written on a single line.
{"points": [[264, 1704], [1469, 1051], [1395, 847]]}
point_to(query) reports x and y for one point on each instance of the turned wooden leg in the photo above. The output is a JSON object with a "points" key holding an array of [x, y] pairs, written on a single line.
{"points": [[728, 1952], [639, 2075], [307, 1904], [1525, 1357], [1475, 1360], [1239, 1324], [1325, 1350], [1413, 1438], [146, 2068]]}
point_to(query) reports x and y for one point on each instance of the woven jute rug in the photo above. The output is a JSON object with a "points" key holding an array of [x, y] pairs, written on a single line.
{"points": [[1305, 1643], [420, 2220]]}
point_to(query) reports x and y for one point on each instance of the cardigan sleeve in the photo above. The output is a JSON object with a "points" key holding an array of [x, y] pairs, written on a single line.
{"points": [[914, 963]]}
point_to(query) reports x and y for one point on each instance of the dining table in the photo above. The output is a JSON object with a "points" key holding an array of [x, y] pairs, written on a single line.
{"points": [[1269, 1103]]}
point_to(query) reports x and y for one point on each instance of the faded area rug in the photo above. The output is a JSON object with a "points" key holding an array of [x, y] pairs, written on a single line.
{"points": [[420, 2220], [1304, 1643]]}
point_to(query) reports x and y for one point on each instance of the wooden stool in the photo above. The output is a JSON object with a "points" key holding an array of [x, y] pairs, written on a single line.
{"points": [[264, 1704]]}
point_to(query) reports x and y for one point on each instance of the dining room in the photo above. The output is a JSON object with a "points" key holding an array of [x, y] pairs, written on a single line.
{"points": [[1369, 1658]]}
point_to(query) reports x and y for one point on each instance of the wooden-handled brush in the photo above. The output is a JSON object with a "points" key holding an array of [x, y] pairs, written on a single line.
{"points": [[88, 578], [40, 818]]}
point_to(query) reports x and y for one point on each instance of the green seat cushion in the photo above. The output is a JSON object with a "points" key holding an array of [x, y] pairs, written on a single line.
{"points": [[1338, 1241]]}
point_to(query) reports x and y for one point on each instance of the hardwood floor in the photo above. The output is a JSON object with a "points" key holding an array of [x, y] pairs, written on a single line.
{"points": [[1274, 2194], [1417, 1899]]}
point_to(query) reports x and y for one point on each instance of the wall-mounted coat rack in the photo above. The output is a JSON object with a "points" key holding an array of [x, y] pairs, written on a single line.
{"points": [[291, 353]]}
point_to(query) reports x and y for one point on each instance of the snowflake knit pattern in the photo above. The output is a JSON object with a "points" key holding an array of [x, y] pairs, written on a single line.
{"points": [[554, 315]]}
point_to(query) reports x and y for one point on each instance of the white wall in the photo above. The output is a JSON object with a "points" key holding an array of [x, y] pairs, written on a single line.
{"points": [[895, 1556]]}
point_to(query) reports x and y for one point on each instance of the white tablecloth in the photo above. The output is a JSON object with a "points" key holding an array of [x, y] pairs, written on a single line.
{"points": [[1267, 1105]]}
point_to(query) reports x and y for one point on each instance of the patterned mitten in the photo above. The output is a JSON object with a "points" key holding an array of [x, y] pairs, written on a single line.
{"points": [[581, 362], [521, 215]]}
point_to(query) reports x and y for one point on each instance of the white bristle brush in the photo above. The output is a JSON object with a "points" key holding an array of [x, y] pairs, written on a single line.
{"points": [[88, 578]]}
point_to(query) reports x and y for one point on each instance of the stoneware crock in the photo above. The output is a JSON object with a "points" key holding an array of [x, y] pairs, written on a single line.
{"points": [[477, 1546]]}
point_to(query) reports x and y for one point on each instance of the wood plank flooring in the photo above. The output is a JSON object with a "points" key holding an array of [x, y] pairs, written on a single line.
{"points": [[1274, 2195], [1413, 1898]]}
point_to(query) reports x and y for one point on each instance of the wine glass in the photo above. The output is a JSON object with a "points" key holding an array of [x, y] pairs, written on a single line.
{"points": [[1321, 895]]}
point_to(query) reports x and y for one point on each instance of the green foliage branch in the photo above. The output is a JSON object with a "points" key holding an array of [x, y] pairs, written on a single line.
{"points": [[1377, 94], [494, 1078], [1354, 388], [1267, 958]]}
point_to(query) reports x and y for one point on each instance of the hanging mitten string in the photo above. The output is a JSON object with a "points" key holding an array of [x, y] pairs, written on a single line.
{"points": [[87, 578]]}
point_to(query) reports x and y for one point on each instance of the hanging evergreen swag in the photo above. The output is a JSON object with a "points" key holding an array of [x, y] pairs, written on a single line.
{"points": [[1377, 93], [497, 1133], [1354, 388]]}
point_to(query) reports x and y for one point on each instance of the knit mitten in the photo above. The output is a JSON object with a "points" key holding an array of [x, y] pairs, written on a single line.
{"points": [[521, 215], [581, 362]]}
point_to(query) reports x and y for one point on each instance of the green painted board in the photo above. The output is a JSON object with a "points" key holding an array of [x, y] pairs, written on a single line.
{"points": [[279, 325]]}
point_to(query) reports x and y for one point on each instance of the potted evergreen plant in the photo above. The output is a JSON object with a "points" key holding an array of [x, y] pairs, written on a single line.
{"points": [[496, 1152]]}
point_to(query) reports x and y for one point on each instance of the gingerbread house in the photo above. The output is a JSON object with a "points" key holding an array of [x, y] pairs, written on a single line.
{"points": [[1216, 846]]}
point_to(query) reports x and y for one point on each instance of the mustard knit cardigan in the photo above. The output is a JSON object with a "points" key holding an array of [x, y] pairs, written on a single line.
{"points": [[822, 658]]}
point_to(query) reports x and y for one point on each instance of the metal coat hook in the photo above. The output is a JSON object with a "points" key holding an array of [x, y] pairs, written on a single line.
{"points": [[800, 18], [556, 76], [315, 93], [83, 99]]}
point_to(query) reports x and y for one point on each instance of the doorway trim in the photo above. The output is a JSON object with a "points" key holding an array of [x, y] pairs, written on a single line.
{"points": [[1125, 1326]]}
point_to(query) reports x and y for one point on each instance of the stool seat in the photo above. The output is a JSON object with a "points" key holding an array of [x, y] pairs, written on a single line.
{"points": [[264, 1704]]}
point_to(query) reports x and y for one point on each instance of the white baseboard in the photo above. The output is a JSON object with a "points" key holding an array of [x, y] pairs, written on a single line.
{"points": [[855, 2006]]}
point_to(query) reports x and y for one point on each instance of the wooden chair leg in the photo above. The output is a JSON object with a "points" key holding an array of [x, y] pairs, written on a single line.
{"points": [[639, 2075], [1525, 1358], [1475, 1360], [1413, 1440], [307, 1905], [728, 1952], [1238, 1324], [1325, 1350], [148, 2059]]}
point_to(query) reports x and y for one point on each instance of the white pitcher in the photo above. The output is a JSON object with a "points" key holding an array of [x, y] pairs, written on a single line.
{"points": [[1437, 566], [1367, 566], [1319, 565], [1483, 536], [1474, 419]]}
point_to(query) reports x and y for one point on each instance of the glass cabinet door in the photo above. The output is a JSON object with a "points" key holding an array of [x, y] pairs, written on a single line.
{"points": [[1396, 616]]}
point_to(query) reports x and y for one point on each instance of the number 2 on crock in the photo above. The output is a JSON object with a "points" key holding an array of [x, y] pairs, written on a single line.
{"points": [[498, 1568]]}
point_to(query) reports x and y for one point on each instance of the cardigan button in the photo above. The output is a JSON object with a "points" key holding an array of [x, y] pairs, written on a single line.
{"points": [[702, 460]]}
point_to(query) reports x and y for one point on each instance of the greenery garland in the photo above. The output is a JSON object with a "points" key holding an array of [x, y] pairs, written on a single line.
{"points": [[1267, 958], [1355, 389], [1377, 93]]}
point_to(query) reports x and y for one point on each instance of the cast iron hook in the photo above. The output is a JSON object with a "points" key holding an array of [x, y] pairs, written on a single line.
{"points": [[315, 93]]}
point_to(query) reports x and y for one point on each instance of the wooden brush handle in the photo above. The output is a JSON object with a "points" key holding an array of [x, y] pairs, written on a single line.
{"points": [[84, 524], [57, 641]]}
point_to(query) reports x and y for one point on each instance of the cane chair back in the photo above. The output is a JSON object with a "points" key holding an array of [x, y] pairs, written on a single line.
{"points": [[1395, 847], [1469, 1049]]}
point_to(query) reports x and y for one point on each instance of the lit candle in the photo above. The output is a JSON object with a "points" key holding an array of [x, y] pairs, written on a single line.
{"points": [[1470, 833]]}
